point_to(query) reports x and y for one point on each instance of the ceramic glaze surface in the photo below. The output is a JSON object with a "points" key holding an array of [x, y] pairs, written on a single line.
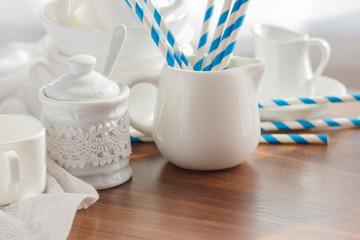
{"points": [[22, 157], [207, 120], [286, 55], [83, 114]]}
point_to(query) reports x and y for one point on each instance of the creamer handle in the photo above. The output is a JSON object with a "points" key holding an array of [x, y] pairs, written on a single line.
{"points": [[146, 129]]}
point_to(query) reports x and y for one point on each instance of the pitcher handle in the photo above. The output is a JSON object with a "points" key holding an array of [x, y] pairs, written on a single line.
{"points": [[325, 56], [14, 177], [146, 129]]}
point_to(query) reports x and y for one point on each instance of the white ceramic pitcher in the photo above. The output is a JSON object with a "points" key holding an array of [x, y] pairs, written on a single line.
{"points": [[286, 55], [206, 120]]}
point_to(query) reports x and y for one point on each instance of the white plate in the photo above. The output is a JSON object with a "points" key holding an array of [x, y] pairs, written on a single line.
{"points": [[324, 86]]}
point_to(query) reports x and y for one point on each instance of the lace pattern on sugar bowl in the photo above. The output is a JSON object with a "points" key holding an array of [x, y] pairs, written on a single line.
{"points": [[102, 144]]}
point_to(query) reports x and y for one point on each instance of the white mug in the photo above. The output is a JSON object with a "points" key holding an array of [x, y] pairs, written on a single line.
{"points": [[206, 120], [286, 55], [22, 157]]}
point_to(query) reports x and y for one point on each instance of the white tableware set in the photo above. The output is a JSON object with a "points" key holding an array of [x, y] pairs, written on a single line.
{"points": [[90, 29], [202, 111], [86, 115]]}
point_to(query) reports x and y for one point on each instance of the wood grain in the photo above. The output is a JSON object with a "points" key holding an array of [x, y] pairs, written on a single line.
{"points": [[280, 192]]}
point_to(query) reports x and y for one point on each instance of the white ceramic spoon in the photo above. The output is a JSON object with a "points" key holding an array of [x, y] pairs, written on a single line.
{"points": [[116, 44]]}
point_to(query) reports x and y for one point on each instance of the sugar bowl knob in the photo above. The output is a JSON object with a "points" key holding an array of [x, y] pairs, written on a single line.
{"points": [[81, 64]]}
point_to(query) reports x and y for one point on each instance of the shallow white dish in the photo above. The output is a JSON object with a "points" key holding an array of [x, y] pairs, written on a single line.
{"points": [[323, 86]]}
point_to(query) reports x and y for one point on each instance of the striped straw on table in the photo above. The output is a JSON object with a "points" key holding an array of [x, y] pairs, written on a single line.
{"points": [[199, 58], [294, 138], [307, 124], [141, 139], [218, 32], [162, 44], [229, 37], [309, 100], [167, 32]]}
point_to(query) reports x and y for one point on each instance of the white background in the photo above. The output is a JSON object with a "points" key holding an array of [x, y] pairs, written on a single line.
{"points": [[336, 21]]}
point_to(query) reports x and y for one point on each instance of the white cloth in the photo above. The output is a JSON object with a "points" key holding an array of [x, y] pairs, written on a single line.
{"points": [[48, 215], [19, 80]]}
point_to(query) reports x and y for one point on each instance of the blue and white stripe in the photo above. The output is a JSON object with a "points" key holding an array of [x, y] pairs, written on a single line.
{"points": [[199, 59], [218, 32], [308, 124], [294, 138], [156, 35], [178, 54], [141, 139], [270, 138], [308, 100], [229, 37]]}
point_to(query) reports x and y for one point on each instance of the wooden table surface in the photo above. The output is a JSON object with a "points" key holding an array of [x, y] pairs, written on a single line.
{"points": [[280, 192]]}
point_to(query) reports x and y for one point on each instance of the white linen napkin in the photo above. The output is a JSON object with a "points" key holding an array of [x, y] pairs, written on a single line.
{"points": [[48, 215]]}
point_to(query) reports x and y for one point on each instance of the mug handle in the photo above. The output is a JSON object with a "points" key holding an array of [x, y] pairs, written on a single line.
{"points": [[146, 129], [14, 170], [325, 56]]}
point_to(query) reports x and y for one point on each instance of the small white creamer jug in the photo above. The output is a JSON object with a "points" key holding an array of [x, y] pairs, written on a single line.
{"points": [[205, 120], [286, 55]]}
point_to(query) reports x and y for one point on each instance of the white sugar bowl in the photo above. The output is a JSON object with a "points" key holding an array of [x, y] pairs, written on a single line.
{"points": [[87, 123]]}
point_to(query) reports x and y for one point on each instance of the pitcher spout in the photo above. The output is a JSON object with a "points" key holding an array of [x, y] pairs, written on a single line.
{"points": [[251, 67]]}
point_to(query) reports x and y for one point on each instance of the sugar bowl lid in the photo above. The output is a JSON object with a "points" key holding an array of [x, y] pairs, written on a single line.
{"points": [[82, 83]]}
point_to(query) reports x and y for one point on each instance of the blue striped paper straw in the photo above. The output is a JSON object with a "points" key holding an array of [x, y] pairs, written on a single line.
{"points": [[141, 139], [168, 34], [227, 43], [158, 39], [294, 138], [199, 58], [308, 100], [307, 124], [272, 138], [218, 32], [234, 35]]}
